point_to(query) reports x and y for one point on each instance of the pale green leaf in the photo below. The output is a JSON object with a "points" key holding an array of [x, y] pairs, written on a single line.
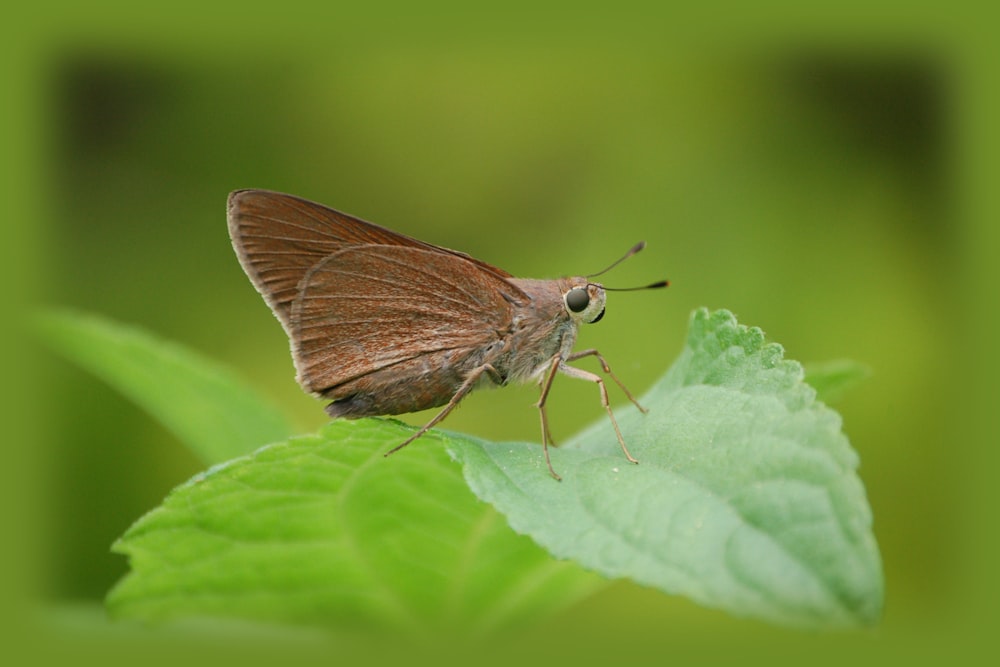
{"points": [[746, 497]]}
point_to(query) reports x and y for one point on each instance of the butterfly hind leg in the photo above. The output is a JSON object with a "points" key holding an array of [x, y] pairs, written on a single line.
{"points": [[467, 385]]}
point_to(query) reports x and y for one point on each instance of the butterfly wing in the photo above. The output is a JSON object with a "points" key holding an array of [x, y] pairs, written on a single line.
{"points": [[379, 322], [391, 329], [279, 238]]}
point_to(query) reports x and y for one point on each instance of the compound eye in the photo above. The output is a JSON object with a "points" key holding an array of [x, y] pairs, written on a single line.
{"points": [[577, 299]]}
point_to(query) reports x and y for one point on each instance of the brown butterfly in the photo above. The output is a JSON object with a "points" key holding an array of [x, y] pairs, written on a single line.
{"points": [[383, 324]]}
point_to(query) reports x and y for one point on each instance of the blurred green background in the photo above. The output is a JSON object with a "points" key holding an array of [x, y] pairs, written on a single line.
{"points": [[812, 181]]}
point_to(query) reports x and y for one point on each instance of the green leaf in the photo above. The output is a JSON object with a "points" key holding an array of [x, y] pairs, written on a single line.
{"points": [[745, 497], [323, 530], [832, 379], [207, 408]]}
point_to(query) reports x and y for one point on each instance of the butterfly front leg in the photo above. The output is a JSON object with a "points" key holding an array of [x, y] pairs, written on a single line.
{"points": [[546, 385], [558, 364], [607, 369]]}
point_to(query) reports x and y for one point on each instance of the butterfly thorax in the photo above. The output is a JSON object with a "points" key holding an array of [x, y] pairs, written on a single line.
{"points": [[541, 328]]}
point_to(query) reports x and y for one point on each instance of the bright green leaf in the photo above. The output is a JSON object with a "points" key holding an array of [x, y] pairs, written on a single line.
{"points": [[746, 496], [323, 530], [832, 379], [746, 499], [208, 409]]}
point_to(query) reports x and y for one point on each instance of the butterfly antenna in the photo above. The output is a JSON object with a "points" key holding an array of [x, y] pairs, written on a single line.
{"points": [[633, 250], [657, 284]]}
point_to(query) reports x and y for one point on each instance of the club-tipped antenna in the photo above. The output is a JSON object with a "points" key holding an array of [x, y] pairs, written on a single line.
{"points": [[634, 249], [656, 285]]}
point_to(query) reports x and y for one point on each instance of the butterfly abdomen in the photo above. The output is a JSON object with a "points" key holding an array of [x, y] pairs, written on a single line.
{"points": [[428, 381]]}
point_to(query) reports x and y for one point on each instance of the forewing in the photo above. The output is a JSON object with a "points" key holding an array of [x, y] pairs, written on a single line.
{"points": [[366, 308], [279, 238]]}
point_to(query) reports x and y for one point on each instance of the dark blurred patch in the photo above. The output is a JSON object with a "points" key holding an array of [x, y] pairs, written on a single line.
{"points": [[103, 104], [894, 107]]}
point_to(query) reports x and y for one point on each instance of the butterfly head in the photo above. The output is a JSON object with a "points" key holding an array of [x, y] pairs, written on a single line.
{"points": [[584, 302]]}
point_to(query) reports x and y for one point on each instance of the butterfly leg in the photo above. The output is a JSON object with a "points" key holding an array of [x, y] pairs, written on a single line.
{"points": [[546, 385], [463, 389], [581, 374], [606, 369]]}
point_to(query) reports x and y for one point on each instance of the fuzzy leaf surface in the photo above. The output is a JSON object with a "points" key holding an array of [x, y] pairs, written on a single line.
{"points": [[746, 497]]}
